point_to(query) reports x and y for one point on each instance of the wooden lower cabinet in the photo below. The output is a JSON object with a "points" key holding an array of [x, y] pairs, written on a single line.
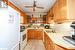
{"points": [[35, 34], [49, 45]]}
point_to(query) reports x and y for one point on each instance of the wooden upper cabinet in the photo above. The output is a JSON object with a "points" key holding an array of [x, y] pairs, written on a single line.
{"points": [[71, 9], [55, 7], [23, 18], [60, 11], [62, 3], [50, 16], [45, 19], [56, 12], [64, 10]]}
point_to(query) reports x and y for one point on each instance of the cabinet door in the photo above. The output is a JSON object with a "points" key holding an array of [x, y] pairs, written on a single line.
{"points": [[62, 3], [38, 34], [44, 19], [71, 10], [55, 7], [48, 42], [50, 16], [30, 34], [60, 11], [45, 40], [35, 34], [21, 20], [56, 11]]}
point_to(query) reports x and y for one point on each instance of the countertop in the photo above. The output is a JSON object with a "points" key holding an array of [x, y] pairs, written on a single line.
{"points": [[57, 38]]}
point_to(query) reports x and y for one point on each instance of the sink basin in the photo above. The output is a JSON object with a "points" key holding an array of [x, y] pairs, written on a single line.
{"points": [[49, 31]]}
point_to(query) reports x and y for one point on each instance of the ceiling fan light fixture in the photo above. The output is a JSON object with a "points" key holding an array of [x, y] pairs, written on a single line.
{"points": [[34, 6]]}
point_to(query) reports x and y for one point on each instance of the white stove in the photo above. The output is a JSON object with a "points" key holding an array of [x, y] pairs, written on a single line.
{"points": [[23, 38]]}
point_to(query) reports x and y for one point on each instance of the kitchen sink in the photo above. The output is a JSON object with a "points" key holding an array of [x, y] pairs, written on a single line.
{"points": [[50, 31]]}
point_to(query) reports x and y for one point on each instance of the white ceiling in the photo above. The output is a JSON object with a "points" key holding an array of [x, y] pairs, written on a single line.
{"points": [[47, 4]]}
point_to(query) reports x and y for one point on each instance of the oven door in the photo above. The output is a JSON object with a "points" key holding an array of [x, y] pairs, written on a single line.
{"points": [[23, 37], [23, 40]]}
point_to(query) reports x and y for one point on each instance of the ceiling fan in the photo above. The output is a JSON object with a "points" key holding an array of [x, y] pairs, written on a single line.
{"points": [[34, 6]]}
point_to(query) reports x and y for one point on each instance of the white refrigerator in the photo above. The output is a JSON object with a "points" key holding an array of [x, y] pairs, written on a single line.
{"points": [[9, 29]]}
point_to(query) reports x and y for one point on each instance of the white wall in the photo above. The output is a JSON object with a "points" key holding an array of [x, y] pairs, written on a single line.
{"points": [[63, 28]]}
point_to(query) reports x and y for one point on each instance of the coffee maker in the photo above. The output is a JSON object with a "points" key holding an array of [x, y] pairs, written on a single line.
{"points": [[73, 26]]}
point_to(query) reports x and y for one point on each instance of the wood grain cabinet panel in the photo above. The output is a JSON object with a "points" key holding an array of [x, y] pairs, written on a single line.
{"points": [[48, 43], [64, 10], [35, 34], [71, 9], [60, 11]]}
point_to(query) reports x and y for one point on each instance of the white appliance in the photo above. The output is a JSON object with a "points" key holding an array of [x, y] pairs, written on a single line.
{"points": [[23, 37], [9, 29]]}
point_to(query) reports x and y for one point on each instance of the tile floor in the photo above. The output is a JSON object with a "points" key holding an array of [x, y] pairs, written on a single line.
{"points": [[35, 45]]}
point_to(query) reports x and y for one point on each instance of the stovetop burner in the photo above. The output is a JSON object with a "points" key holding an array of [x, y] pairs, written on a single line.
{"points": [[69, 39]]}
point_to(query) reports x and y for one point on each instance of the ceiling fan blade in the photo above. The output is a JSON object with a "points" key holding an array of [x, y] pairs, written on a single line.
{"points": [[40, 7], [29, 6]]}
